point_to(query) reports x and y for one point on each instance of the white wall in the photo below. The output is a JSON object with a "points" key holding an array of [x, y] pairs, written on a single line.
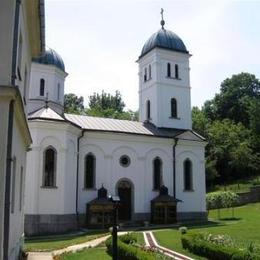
{"points": [[142, 150], [59, 200], [52, 77], [160, 89]]}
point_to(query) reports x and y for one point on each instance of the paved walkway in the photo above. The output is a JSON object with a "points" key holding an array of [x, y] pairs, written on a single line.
{"points": [[150, 241], [74, 248]]}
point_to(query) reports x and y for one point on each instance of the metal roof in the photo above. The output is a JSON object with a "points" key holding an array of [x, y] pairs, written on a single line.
{"points": [[164, 39], [51, 57], [120, 126], [45, 113], [90, 123]]}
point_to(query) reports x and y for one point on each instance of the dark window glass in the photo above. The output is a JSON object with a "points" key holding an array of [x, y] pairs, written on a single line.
{"points": [[90, 168], [148, 110], [145, 74], [125, 160], [176, 71], [173, 107], [168, 70], [187, 175], [49, 167], [150, 72], [42, 86], [157, 173]]}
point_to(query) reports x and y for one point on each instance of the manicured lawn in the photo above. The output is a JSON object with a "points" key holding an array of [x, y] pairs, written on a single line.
{"points": [[98, 253], [87, 254], [244, 229], [50, 243]]}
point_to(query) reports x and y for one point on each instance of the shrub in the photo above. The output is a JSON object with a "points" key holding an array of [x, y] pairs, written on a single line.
{"points": [[196, 244], [128, 238], [128, 251], [183, 230]]}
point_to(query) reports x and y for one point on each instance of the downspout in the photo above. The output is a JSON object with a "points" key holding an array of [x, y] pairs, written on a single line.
{"points": [[174, 166], [10, 137], [77, 179]]}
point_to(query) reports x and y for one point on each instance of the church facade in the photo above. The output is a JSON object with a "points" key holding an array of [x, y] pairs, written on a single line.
{"points": [[72, 156]]}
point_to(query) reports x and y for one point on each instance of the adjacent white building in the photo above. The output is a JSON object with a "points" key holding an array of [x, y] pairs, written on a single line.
{"points": [[72, 156], [21, 38]]}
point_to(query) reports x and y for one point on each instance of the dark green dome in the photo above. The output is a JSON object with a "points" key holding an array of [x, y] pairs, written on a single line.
{"points": [[164, 39], [51, 57]]}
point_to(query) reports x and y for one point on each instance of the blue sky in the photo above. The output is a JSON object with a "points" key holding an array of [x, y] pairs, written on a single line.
{"points": [[100, 40]]}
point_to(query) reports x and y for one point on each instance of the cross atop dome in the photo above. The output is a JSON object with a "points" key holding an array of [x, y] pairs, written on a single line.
{"points": [[162, 21]]}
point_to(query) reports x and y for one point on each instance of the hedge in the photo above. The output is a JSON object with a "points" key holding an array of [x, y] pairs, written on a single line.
{"points": [[127, 251], [213, 251]]}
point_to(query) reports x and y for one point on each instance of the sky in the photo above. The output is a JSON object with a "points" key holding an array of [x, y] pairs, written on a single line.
{"points": [[100, 41]]}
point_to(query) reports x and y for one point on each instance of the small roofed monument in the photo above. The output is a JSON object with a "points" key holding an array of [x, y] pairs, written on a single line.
{"points": [[72, 156]]}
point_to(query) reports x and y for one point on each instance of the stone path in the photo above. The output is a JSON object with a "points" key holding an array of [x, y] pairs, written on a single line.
{"points": [[74, 248], [150, 241]]}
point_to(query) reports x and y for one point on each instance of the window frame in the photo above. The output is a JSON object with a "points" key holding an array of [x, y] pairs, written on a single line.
{"points": [[169, 70], [50, 147], [190, 173], [42, 87], [176, 71], [174, 108], [148, 109], [155, 186], [93, 186]]}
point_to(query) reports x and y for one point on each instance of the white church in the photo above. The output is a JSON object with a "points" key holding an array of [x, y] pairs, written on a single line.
{"points": [[75, 158]]}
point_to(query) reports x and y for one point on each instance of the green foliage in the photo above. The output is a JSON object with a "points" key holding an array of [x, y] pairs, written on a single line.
{"points": [[221, 199], [128, 251], [215, 248], [231, 124], [183, 230], [106, 101], [73, 104], [231, 149], [109, 106]]}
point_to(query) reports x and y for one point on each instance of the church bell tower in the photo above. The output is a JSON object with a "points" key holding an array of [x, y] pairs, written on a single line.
{"points": [[164, 81]]}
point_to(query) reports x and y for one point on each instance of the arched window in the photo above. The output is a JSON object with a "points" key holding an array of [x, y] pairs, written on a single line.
{"points": [[173, 107], [50, 164], [90, 171], [148, 110], [187, 167], [176, 71], [169, 70], [42, 86], [145, 74], [58, 94], [157, 173], [150, 71]]}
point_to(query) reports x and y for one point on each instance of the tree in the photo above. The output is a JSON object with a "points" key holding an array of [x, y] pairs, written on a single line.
{"points": [[200, 122], [230, 146], [73, 104], [233, 101], [106, 101], [109, 106]]}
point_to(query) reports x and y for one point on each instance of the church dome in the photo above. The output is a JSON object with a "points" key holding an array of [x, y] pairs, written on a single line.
{"points": [[164, 39], [51, 57]]}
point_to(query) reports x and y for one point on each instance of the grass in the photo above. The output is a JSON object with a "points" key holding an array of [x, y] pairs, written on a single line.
{"points": [[245, 228], [50, 243], [98, 253]]}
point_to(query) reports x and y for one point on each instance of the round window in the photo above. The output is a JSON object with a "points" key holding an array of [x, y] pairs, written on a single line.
{"points": [[124, 160]]}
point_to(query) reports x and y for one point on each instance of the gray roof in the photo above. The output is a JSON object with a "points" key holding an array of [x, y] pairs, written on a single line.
{"points": [[51, 57], [164, 39], [120, 126], [100, 124], [45, 113]]}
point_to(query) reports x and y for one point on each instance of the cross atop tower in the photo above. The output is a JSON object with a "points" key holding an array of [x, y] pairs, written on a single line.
{"points": [[162, 21]]}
